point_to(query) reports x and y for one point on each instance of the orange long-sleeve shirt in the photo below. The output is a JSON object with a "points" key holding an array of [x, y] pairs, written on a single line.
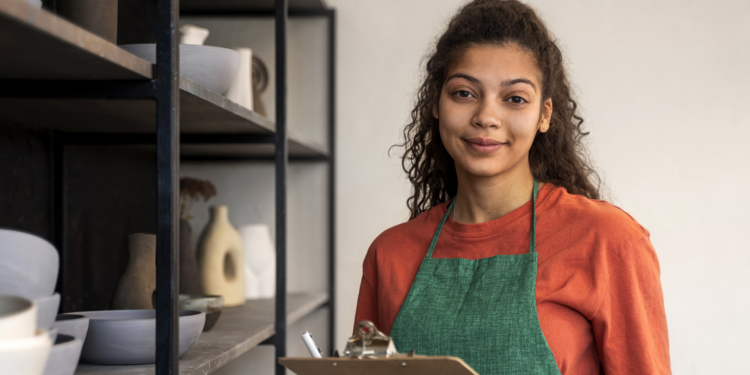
{"points": [[598, 293]]}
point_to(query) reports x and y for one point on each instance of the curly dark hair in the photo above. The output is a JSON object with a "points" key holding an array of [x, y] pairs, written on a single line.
{"points": [[557, 156]]}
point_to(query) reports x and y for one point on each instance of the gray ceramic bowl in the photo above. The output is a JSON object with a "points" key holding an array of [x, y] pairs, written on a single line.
{"points": [[47, 310], [28, 265], [128, 337], [73, 325], [63, 358], [211, 305], [212, 67]]}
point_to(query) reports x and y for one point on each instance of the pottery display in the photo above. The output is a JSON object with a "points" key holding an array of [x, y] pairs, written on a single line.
{"points": [[137, 284], [191, 34], [190, 281], [96, 16], [260, 259], [221, 259], [128, 337], [28, 265], [53, 334], [63, 357], [211, 67], [25, 356], [260, 83], [36, 3], [211, 305], [47, 310], [73, 325], [17, 317], [241, 91]]}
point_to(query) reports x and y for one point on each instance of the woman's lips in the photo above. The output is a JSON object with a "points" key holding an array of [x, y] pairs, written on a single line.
{"points": [[484, 145]]}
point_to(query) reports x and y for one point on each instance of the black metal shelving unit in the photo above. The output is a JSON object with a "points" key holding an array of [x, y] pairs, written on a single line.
{"points": [[114, 83]]}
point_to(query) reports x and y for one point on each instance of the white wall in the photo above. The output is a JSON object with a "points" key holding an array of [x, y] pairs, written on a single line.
{"points": [[661, 84]]}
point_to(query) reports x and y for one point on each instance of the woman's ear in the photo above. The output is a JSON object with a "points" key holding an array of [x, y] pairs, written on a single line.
{"points": [[546, 116]]}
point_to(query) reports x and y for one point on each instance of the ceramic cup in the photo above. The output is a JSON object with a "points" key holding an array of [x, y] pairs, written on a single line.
{"points": [[127, 337], [25, 356], [63, 358], [211, 305], [73, 325], [47, 308], [28, 265], [17, 317]]}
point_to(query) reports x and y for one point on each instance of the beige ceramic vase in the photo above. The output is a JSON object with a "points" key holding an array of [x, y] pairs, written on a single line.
{"points": [[137, 284], [221, 259]]}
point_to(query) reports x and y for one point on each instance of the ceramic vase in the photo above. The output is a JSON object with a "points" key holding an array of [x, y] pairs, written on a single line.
{"points": [[138, 283], [241, 91], [221, 259], [190, 281], [260, 259], [96, 16]]}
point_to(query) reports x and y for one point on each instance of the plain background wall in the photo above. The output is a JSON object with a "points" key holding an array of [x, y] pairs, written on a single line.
{"points": [[661, 85]]}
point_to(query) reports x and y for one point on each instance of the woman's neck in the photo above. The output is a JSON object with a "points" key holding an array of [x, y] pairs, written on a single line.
{"points": [[481, 199]]}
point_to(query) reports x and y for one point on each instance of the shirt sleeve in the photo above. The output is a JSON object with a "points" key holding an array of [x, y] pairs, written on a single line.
{"points": [[630, 325]]}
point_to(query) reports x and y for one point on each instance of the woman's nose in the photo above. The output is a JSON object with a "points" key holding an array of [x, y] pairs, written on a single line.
{"points": [[488, 114]]}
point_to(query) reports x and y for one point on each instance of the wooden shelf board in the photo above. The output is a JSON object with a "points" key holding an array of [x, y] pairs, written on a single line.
{"points": [[36, 44], [238, 330], [248, 5], [296, 148]]}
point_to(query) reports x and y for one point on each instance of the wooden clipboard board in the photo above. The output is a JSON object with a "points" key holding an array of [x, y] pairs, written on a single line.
{"points": [[380, 366]]}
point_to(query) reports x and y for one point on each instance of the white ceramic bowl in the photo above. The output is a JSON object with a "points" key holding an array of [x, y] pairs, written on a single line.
{"points": [[128, 337], [47, 310], [26, 356], [17, 318], [53, 334], [28, 265], [63, 358], [36, 3], [73, 325], [209, 66]]}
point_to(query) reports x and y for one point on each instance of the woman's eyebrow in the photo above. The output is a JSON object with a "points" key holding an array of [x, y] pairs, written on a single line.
{"points": [[464, 76], [511, 82]]}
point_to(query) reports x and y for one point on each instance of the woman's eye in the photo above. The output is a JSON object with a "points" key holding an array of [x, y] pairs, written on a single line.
{"points": [[463, 94], [517, 100]]}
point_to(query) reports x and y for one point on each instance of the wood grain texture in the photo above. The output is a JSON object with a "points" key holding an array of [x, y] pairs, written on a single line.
{"points": [[382, 366], [36, 44], [238, 330]]}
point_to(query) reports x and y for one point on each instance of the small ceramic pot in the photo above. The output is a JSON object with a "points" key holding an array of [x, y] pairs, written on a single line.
{"points": [[17, 317], [47, 308], [73, 325], [209, 66], [26, 356], [63, 358], [211, 305], [28, 265], [128, 337]]}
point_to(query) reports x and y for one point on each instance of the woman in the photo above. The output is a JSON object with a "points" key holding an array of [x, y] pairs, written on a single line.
{"points": [[509, 260]]}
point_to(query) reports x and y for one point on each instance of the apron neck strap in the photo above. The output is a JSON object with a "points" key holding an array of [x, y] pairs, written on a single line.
{"points": [[532, 240]]}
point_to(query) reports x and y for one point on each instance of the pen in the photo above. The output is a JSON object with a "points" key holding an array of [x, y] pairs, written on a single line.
{"points": [[312, 347]]}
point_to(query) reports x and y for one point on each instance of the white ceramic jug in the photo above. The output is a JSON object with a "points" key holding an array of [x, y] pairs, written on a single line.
{"points": [[260, 258]]}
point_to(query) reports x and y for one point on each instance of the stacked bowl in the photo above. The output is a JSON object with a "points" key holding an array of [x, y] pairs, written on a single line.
{"points": [[28, 307]]}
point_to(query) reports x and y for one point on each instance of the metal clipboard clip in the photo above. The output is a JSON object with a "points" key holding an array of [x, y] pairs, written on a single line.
{"points": [[370, 344]]}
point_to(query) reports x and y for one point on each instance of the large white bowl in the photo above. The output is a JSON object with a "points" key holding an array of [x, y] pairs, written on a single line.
{"points": [[73, 325], [28, 265], [26, 356], [63, 358], [128, 337], [47, 310], [209, 66], [17, 318]]}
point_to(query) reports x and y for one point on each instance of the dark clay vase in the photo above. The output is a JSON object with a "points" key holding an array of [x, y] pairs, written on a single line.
{"points": [[190, 280]]}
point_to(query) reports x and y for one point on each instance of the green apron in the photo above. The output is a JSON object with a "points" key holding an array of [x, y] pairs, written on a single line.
{"points": [[482, 311]]}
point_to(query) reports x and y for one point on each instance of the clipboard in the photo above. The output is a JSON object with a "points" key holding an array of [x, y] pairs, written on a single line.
{"points": [[417, 365]]}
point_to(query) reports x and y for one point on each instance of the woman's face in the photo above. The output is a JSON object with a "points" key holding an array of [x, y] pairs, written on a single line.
{"points": [[490, 110]]}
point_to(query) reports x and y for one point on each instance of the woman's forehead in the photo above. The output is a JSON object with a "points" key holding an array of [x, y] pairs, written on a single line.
{"points": [[493, 65]]}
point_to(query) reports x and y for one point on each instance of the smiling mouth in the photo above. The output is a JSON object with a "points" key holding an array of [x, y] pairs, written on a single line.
{"points": [[484, 145]]}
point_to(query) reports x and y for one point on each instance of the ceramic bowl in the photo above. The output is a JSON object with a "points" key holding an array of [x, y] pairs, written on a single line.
{"points": [[47, 308], [17, 317], [211, 305], [53, 334], [63, 357], [128, 337], [28, 265], [212, 67], [36, 3], [73, 325], [26, 356]]}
